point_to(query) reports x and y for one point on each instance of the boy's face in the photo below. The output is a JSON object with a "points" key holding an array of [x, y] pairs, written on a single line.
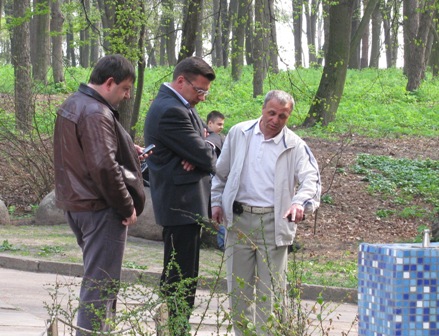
{"points": [[216, 125]]}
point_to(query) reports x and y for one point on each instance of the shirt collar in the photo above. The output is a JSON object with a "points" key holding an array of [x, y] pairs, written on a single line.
{"points": [[276, 139], [184, 101]]}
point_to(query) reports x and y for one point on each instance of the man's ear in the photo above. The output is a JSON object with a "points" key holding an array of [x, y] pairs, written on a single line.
{"points": [[108, 83]]}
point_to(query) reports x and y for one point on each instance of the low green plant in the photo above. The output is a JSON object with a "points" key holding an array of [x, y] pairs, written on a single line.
{"points": [[383, 213], [326, 198], [401, 181], [336, 273], [6, 246], [134, 265], [11, 210], [48, 250]]}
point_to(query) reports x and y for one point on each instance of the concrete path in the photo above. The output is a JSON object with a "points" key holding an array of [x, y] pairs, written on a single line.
{"points": [[23, 296]]}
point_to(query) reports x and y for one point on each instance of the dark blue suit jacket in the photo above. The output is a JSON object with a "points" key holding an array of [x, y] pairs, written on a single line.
{"points": [[179, 197]]}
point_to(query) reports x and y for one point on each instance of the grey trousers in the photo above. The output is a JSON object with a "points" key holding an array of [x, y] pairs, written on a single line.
{"points": [[255, 270], [102, 238]]}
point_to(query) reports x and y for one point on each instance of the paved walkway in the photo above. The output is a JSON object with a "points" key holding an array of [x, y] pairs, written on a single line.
{"points": [[23, 296]]}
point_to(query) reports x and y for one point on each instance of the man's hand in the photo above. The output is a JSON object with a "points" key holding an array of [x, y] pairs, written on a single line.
{"points": [[295, 213], [217, 216], [139, 152], [130, 220], [187, 166]]}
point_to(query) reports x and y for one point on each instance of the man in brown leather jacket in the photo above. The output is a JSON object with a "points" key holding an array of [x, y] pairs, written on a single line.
{"points": [[98, 183]]}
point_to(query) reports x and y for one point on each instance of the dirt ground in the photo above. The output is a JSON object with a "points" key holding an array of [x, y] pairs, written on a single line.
{"points": [[336, 230]]}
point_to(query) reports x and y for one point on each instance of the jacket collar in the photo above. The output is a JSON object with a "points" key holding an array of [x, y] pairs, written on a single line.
{"points": [[87, 90]]}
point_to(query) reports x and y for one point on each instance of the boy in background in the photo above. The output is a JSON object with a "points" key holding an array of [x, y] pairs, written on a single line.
{"points": [[215, 125]]}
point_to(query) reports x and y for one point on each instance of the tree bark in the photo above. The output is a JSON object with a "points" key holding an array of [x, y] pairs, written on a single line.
{"points": [[217, 52], [238, 39], [107, 17], [199, 32], [376, 37], [40, 65], [249, 35], [434, 59], [297, 27], [84, 36], [272, 38], [417, 64], [56, 24], [311, 24], [258, 50], [363, 25], [410, 29], [190, 24], [228, 14], [325, 103], [24, 108], [354, 59]]}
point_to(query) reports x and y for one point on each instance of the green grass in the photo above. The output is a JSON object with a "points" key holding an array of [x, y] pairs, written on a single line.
{"points": [[374, 103], [402, 181]]}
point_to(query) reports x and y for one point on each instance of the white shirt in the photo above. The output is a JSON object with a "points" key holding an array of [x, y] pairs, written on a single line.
{"points": [[256, 186]]}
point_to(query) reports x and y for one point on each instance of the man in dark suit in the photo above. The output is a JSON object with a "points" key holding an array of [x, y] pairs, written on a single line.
{"points": [[180, 174]]}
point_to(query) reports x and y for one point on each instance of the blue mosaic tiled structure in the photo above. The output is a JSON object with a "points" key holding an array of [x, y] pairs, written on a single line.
{"points": [[398, 290]]}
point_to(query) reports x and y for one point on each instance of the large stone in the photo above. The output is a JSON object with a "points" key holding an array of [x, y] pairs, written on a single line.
{"points": [[146, 226], [47, 212], [4, 214]]}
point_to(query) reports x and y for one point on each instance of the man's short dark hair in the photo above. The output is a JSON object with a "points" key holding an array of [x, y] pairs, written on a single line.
{"points": [[115, 66], [193, 66], [214, 115]]}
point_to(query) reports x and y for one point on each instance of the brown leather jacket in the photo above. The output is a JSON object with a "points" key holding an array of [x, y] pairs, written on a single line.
{"points": [[96, 164]]}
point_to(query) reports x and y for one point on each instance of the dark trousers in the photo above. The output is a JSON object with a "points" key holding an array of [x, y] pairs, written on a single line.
{"points": [[180, 272], [102, 238]]}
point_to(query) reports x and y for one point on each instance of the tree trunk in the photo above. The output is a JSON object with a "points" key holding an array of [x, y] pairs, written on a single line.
{"points": [[434, 59], [364, 60], [107, 17], [362, 26], [395, 32], [70, 51], [217, 52], [56, 24], [272, 38], [95, 44], [190, 24], [325, 103], [228, 16], [140, 76], [416, 66], [199, 32], [376, 37], [124, 36], [24, 108], [354, 59], [410, 29], [40, 66], [387, 12], [297, 27], [326, 24], [258, 49], [249, 34], [238, 32], [84, 36], [311, 24]]}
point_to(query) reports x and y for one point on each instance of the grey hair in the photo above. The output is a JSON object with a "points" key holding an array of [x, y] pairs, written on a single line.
{"points": [[281, 96]]}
